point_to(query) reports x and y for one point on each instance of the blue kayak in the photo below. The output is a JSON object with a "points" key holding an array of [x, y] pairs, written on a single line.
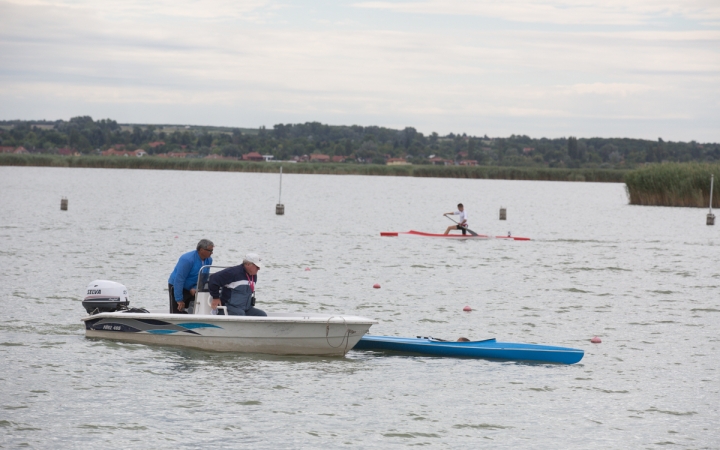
{"points": [[489, 348]]}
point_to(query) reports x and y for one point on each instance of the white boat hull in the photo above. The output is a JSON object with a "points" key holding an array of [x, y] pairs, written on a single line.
{"points": [[278, 333]]}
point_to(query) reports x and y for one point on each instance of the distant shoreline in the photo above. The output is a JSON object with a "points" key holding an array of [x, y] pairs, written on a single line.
{"points": [[198, 164]]}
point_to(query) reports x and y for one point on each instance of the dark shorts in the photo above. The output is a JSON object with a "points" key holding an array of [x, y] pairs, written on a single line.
{"points": [[460, 227], [187, 298]]}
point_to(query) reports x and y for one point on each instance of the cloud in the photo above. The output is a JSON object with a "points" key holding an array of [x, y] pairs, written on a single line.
{"points": [[609, 12], [259, 58]]}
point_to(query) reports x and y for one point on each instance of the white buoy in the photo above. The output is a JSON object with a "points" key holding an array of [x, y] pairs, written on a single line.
{"points": [[280, 208]]}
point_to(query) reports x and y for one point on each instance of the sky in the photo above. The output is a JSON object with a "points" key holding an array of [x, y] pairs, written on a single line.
{"points": [[545, 68]]}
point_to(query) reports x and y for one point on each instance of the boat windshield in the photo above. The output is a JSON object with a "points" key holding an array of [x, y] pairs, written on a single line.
{"points": [[204, 277]]}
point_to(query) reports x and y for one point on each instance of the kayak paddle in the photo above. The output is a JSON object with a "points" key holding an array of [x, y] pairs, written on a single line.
{"points": [[469, 230]]}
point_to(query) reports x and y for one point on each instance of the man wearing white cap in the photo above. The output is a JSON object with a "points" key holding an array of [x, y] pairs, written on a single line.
{"points": [[234, 287]]}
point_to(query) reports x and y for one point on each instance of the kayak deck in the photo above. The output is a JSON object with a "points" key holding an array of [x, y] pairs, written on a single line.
{"points": [[486, 349], [450, 236]]}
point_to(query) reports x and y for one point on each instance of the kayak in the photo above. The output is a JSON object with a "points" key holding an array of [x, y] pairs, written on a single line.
{"points": [[486, 349], [450, 236]]}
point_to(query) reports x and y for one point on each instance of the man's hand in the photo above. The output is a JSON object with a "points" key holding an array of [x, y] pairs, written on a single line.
{"points": [[215, 303], [181, 306], [193, 291]]}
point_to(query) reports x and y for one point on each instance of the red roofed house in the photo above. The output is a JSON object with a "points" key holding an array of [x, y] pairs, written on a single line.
{"points": [[338, 159], [317, 157], [527, 150], [468, 162], [16, 150], [253, 156], [437, 161], [156, 144]]}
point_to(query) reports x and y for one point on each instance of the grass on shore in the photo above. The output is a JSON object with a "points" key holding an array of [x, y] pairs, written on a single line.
{"points": [[673, 184], [486, 172]]}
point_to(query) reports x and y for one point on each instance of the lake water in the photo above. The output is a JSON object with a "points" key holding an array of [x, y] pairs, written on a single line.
{"points": [[646, 280]]}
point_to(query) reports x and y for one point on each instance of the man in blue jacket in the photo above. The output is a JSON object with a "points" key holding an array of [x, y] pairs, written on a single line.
{"points": [[234, 287], [183, 280]]}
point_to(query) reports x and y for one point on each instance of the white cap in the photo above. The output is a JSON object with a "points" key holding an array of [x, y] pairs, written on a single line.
{"points": [[253, 258]]}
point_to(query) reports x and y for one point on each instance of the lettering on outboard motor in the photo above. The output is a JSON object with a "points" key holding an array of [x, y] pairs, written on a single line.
{"points": [[94, 291]]}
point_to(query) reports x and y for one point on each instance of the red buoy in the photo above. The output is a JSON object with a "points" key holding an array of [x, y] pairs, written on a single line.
{"points": [[376, 286], [307, 269], [467, 309], [596, 340]]}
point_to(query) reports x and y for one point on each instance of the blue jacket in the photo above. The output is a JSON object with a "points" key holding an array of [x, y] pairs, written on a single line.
{"points": [[233, 276], [186, 272]]}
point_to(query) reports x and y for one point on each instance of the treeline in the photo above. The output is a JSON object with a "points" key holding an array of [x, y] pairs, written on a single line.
{"points": [[354, 143]]}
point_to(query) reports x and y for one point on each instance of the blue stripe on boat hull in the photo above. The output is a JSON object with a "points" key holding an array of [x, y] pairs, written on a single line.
{"points": [[489, 349]]}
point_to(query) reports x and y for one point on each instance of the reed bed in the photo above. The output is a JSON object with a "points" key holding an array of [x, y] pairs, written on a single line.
{"points": [[673, 184], [521, 173], [154, 163]]}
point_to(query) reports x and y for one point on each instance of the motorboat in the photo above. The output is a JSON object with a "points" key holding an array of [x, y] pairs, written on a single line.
{"points": [[280, 333]]}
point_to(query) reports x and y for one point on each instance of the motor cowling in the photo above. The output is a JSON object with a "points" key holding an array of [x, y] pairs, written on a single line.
{"points": [[105, 296]]}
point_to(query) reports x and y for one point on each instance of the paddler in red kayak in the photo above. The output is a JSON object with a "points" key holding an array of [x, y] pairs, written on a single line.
{"points": [[462, 224]]}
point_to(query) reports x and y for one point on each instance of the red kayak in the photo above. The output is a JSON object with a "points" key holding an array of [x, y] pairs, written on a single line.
{"points": [[450, 236]]}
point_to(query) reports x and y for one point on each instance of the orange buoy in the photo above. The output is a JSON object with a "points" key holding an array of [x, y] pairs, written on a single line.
{"points": [[596, 340], [467, 308], [376, 286]]}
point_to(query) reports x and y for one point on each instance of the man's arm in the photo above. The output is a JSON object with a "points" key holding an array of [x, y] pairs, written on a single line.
{"points": [[217, 280]]}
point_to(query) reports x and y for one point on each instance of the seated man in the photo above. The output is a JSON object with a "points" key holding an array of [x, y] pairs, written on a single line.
{"points": [[234, 287]]}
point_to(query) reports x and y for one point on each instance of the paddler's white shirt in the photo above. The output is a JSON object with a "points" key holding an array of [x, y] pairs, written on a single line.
{"points": [[462, 214]]}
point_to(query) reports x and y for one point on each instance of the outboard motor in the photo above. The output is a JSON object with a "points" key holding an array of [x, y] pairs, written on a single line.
{"points": [[105, 296]]}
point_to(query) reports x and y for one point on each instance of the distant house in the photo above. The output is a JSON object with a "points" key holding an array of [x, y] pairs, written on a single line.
{"points": [[173, 155], [317, 157], [338, 159], [437, 161], [468, 162], [268, 157], [253, 156], [68, 152], [16, 150], [527, 150], [397, 162], [113, 152], [156, 144]]}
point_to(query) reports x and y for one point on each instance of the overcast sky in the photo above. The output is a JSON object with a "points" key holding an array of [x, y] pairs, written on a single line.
{"points": [[545, 68]]}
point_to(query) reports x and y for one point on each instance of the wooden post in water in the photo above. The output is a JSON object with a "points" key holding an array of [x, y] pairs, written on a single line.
{"points": [[63, 204], [503, 213], [280, 208], [711, 216]]}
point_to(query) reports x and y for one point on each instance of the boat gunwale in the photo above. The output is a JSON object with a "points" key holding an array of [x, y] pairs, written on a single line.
{"points": [[310, 319]]}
